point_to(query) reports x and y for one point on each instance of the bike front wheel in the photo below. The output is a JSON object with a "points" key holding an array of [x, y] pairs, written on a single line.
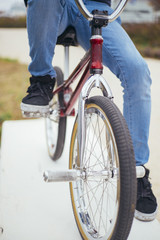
{"points": [[104, 196]]}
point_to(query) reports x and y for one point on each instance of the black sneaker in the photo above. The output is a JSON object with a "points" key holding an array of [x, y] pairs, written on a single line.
{"points": [[146, 207], [40, 94]]}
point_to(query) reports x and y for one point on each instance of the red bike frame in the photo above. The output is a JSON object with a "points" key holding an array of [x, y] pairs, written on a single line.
{"points": [[92, 60], [84, 63]]}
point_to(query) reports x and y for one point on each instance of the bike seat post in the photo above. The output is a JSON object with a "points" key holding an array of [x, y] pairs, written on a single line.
{"points": [[66, 62], [67, 39]]}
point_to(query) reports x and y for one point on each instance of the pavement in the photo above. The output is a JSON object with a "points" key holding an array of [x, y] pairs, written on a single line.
{"points": [[31, 208]]}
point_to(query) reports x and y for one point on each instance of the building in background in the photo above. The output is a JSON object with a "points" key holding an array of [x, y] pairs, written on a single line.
{"points": [[17, 9], [139, 11]]}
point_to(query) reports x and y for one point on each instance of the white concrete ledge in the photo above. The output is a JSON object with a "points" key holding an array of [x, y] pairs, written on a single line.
{"points": [[30, 208]]}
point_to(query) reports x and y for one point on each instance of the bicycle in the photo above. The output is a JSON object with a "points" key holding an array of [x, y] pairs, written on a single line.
{"points": [[102, 172]]}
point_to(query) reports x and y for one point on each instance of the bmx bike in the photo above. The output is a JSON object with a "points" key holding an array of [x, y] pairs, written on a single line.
{"points": [[102, 171]]}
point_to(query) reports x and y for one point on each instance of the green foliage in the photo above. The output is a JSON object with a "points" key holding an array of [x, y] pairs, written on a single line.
{"points": [[5, 116], [9, 60], [146, 34], [16, 22], [13, 84], [146, 37]]}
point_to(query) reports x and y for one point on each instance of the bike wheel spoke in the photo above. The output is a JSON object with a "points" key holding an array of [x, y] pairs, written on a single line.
{"points": [[96, 198]]}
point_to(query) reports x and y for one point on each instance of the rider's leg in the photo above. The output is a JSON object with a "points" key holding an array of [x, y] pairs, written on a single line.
{"points": [[44, 25], [122, 58]]}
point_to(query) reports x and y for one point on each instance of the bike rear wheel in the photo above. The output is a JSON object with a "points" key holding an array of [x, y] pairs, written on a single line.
{"points": [[104, 197], [56, 125]]}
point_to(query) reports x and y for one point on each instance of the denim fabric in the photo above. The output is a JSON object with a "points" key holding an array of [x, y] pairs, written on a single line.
{"points": [[103, 1], [48, 19]]}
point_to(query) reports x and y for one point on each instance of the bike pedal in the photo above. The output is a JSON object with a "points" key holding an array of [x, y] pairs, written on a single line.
{"points": [[34, 114]]}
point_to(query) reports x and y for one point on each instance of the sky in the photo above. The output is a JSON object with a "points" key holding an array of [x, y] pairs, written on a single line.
{"points": [[6, 4]]}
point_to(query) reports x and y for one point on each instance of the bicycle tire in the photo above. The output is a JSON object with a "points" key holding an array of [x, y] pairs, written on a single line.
{"points": [[56, 129], [122, 205]]}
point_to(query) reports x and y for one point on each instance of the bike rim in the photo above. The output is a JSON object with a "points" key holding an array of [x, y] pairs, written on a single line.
{"points": [[96, 202]]}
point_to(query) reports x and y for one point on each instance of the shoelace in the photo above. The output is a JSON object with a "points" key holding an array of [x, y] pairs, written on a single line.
{"points": [[38, 89]]}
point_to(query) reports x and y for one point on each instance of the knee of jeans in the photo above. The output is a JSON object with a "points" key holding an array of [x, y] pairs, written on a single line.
{"points": [[138, 75]]}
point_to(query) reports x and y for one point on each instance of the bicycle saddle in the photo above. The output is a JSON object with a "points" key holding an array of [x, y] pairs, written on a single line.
{"points": [[68, 37]]}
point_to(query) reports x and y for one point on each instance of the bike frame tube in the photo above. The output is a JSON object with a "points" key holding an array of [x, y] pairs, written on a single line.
{"points": [[66, 62], [84, 63], [75, 73], [77, 91]]}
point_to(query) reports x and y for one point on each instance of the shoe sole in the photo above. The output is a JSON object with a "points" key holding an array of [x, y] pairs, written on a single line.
{"points": [[145, 217], [34, 111]]}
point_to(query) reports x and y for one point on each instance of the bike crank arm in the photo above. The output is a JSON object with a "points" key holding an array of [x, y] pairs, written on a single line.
{"points": [[75, 175]]}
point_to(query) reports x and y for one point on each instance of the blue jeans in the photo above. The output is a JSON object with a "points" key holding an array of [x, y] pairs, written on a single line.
{"points": [[48, 19]]}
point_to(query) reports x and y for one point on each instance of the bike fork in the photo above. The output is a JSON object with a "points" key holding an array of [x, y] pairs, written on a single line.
{"points": [[94, 81]]}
